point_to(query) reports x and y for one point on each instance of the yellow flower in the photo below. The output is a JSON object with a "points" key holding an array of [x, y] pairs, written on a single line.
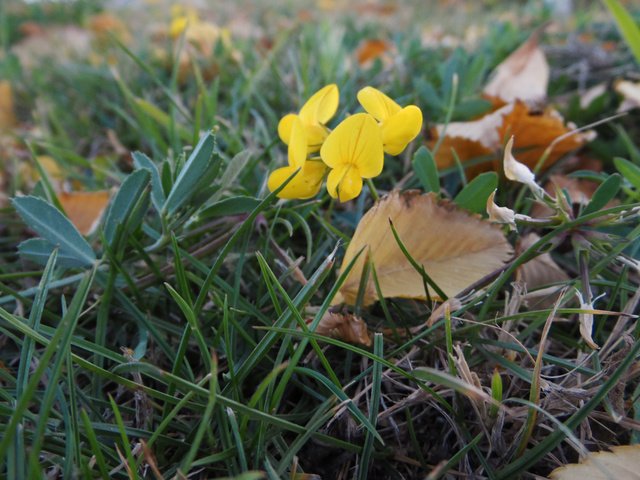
{"points": [[314, 114], [308, 180], [353, 151], [399, 125], [181, 19]]}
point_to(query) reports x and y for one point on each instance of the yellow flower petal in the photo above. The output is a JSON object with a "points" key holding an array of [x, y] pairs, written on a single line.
{"points": [[297, 144], [344, 183], [377, 103], [315, 137], [356, 141], [321, 106], [305, 184], [285, 126], [399, 129]]}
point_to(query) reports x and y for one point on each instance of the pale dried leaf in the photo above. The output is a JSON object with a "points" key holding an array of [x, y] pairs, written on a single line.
{"points": [[523, 75], [345, 327], [455, 248], [84, 209], [630, 93], [483, 131], [621, 463]]}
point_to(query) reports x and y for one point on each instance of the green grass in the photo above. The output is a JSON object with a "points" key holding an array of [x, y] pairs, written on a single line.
{"points": [[188, 345]]}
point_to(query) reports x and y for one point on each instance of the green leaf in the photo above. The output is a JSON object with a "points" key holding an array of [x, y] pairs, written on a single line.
{"points": [[198, 165], [628, 27], [54, 227], [426, 170], [236, 166], [629, 170], [605, 193], [140, 160], [474, 196], [38, 250], [133, 193], [230, 206]]}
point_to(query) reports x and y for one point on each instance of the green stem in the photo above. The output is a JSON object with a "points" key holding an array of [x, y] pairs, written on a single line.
{"points": [[372, 189]]}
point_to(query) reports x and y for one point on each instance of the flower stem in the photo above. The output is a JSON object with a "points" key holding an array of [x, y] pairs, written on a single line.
{"points": [[372, 189]]}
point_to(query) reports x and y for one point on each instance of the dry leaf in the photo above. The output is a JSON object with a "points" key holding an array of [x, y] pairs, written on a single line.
{"points": [[533, 131], [523, 75], [7, 115], [630, 93], [369, 50], [455, 248], [580, 191], [84, 209], [345, 327], [621, 463], [537, 273]]}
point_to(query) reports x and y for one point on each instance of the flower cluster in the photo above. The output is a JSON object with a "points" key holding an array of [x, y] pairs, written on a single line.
{"points": [[353, 151]]}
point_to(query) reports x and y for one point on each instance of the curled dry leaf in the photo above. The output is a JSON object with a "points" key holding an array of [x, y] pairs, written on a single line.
{"points": [[84, 209], [344, 326], [621, 463], [455, 248], [523, 75], [534, 133]]}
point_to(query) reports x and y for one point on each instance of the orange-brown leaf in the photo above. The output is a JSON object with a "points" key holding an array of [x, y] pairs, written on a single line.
{"points": [[369, 50], [534, 132], [84, 209], [455, 248]]}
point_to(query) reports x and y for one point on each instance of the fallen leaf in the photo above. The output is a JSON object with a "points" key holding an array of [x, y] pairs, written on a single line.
{"points": [[84, 209], [523, 75], [7, 115], [369, 50], [621, 463], [455, 248], [539, 272], [580, 191], [344, 326], [630, 94], [534, 132]]}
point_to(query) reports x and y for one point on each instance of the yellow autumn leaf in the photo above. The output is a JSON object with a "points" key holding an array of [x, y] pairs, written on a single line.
{"points": [[84, 209], [621, 463], [523, 75], [455, 247]]}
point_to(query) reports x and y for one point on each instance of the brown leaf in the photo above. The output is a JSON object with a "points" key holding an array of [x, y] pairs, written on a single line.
{"points": [[455, 247], [534, 132], [369, 50], [345, 327], [84, 209], [621, 463], [523, 75], [7, 115], [539, 271]]}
